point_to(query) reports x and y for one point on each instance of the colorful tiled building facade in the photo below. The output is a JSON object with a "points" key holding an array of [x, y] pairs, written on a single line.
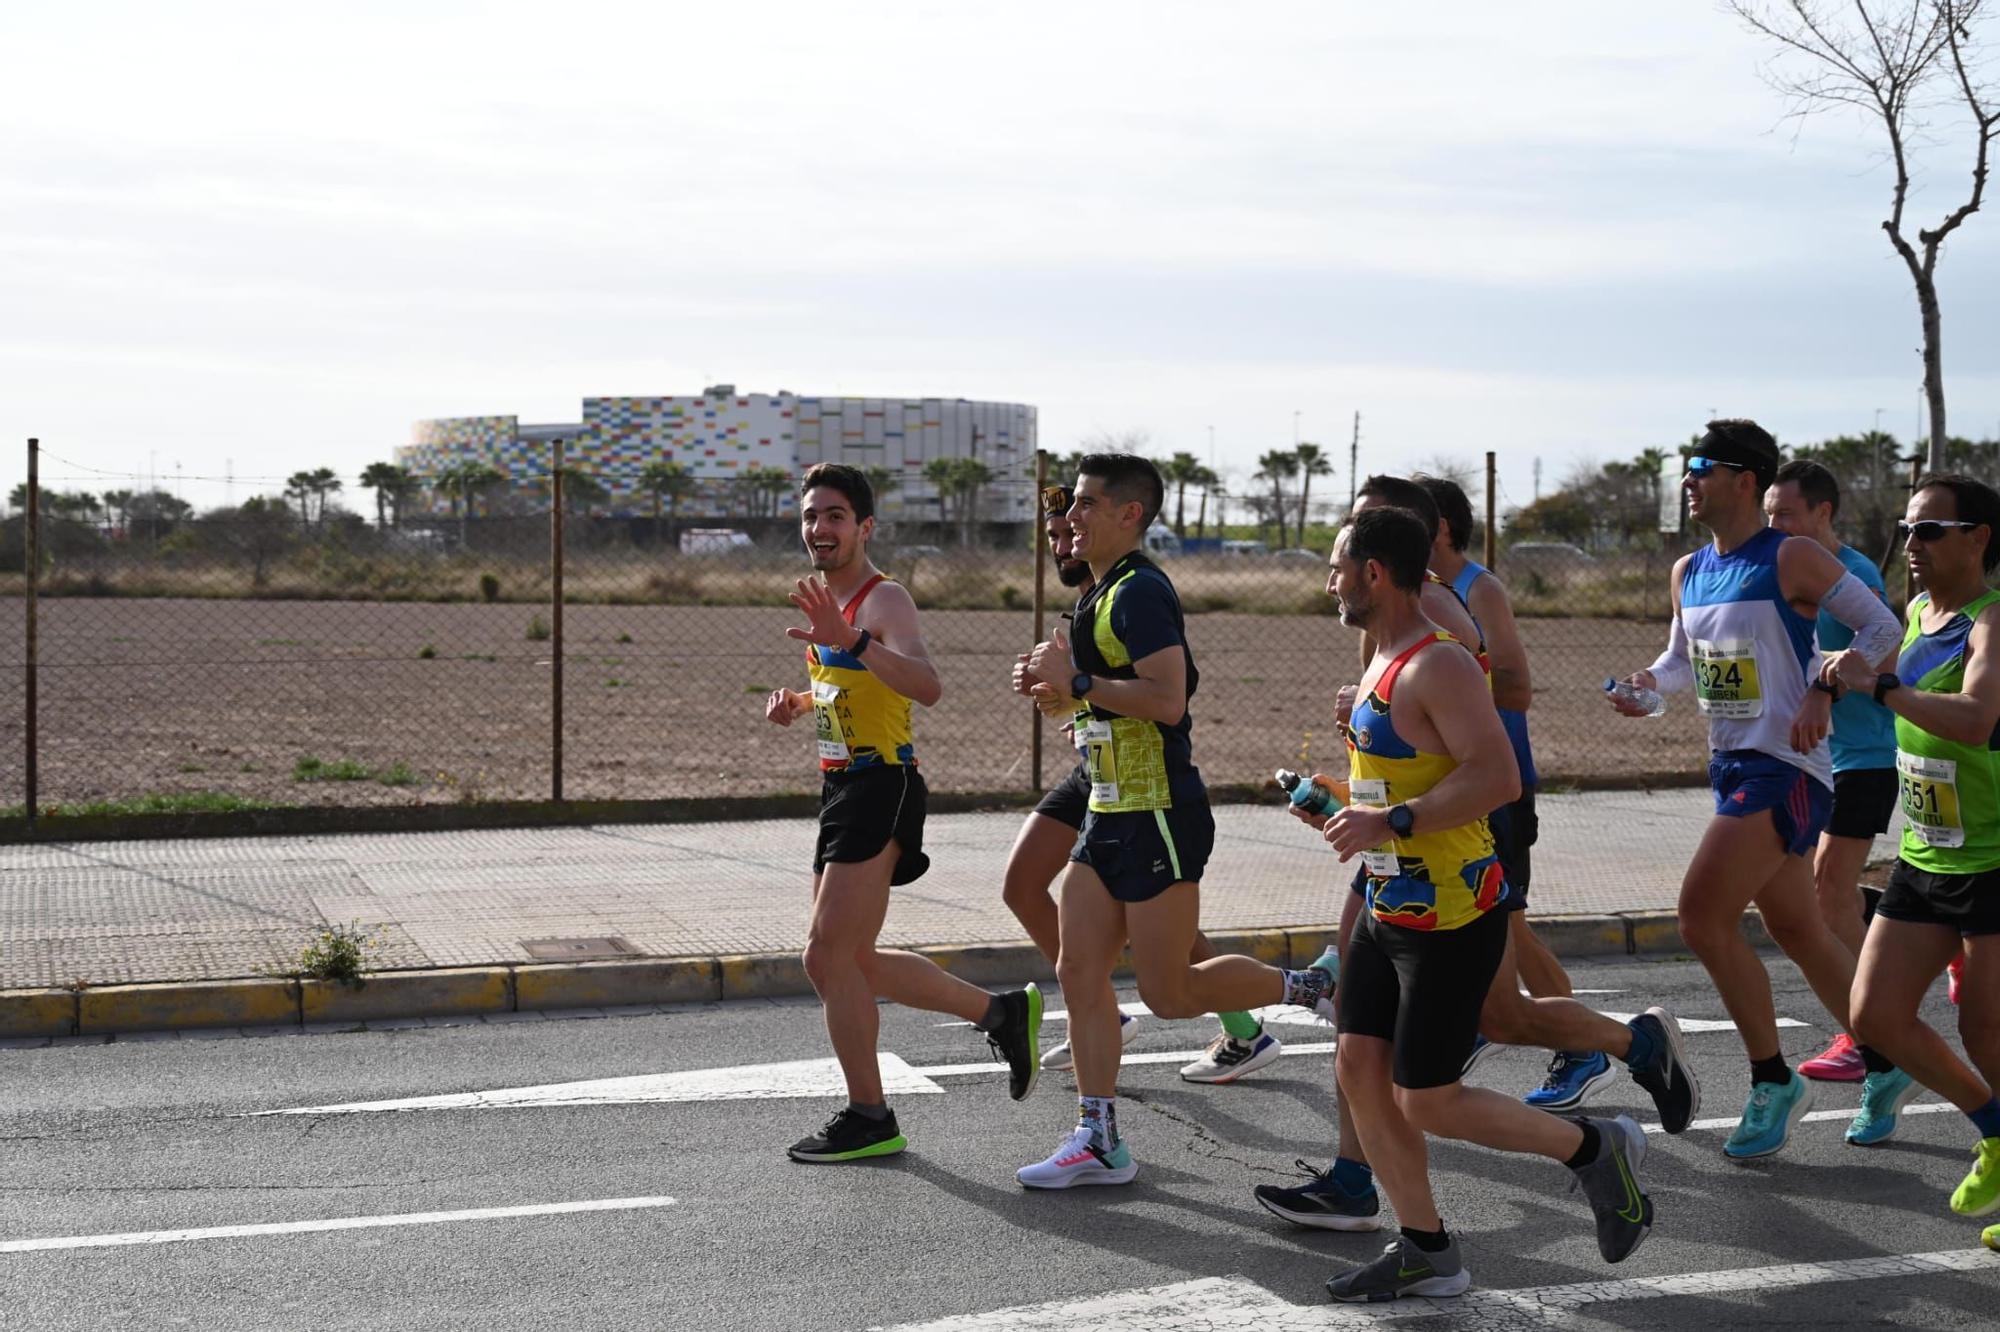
{"points": [[721, 434]]}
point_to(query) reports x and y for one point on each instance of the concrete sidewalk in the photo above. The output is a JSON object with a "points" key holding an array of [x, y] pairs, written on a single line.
{"points": [[127, 936]]}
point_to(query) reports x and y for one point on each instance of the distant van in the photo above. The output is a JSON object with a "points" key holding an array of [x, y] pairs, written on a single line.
{"points": [[713, 541], [1161, 540]]}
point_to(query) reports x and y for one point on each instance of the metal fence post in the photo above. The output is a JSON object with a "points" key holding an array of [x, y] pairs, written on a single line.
{"points": [[1492, 487], [556, 624], [31, 550], [1041, 575]]}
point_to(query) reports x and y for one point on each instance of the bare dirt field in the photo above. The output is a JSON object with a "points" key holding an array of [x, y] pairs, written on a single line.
{"points": [[144, 696]]}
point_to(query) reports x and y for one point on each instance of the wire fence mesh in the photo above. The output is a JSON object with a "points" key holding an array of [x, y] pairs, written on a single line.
{"points": [[282, 652]]}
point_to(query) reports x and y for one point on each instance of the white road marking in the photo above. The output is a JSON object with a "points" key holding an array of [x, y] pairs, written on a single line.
{"points": [[1813, 1116], [336, 1223], [1235, 1304], [1291, 1015], [748, 1082]]}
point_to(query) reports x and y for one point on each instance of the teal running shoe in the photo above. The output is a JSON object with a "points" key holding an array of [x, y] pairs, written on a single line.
{"points": [[1883, 1096], [1768, 1118]]}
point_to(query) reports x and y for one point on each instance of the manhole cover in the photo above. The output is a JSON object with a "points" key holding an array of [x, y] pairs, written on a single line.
{"points": [[578, 950]]}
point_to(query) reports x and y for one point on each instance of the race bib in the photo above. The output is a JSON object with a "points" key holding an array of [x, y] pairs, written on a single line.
{"points": [[1373, 793], [1725, 679], [826, 718], [1093, 737], [1930, 799]]}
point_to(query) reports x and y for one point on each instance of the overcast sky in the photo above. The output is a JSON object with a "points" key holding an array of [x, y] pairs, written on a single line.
{"points": [[271, 237]]}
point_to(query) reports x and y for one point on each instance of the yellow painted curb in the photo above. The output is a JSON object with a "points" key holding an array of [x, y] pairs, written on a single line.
{"points": [[755, 975], [238, 1003], [37, 1013], [403, 994], [613, 984], [1582, 936], [1268, 946]]}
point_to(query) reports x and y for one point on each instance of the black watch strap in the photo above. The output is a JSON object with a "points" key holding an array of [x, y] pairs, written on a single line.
{"points": [[1080, 684], [1401, 821], [1885, 682], [1826, 688]]}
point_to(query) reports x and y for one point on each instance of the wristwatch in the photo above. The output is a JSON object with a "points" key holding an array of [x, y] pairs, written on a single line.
{"points": [[1826, 688], [1886, 681], [1401, 820], [1079, 684]]}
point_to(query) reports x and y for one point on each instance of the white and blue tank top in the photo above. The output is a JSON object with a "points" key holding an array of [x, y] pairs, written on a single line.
{"points": [[1754, 656], [1513, 719]]}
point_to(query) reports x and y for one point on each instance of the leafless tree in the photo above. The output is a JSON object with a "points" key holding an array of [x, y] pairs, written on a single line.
{"points": [[1908, 64]]}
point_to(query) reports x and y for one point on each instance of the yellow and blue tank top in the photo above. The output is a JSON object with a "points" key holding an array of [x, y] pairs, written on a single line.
{"points": [[1951, 792], [1439, 880], [1130, 614], [861, 722]]}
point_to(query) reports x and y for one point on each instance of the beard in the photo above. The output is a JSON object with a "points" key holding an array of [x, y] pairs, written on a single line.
{"points": [[1073, 573], [1356, 613]]}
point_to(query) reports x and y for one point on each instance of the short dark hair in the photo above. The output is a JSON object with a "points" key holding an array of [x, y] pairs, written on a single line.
{"points": [[1403, 493], [1394, 537], [1739, 440], [1976, 502], [1128, 477], [1452, 505], [849, 481], [1816, 484]]}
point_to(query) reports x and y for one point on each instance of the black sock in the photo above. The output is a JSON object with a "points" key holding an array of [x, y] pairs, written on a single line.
{"points": [[1587, 1150], [877, 1113], [1875, 1063], [996, 1013], [1870, 899], [1774, 1069], [1430, 1241]]}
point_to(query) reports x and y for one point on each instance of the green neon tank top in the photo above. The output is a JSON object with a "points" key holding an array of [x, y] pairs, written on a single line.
{"points": [[1950, 791]]}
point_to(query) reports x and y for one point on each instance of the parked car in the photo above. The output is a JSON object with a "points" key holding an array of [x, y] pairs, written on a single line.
{"points": [[714, 541], [1245, 548]]}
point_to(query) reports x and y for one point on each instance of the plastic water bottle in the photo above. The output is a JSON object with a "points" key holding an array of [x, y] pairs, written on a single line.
{"points": [[1319, 794], [1648, 699]]}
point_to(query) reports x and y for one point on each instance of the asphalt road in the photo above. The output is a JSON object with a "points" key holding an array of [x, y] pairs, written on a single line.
{"points": [[142, 1137]]}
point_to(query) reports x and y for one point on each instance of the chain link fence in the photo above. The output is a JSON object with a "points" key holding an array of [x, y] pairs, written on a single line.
{"points": [[274, 654]]}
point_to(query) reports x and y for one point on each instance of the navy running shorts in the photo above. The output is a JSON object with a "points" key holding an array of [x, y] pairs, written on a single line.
{"points": [[1748, 781], [1139, 854], [1069, 799]]}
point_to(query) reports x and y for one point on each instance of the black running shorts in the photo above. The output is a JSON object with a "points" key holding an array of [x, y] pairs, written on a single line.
{"points": [[1516, 828], [860, 809], [1968, 903], [1069, 799], [1422, 991], [1864, 800], [1141, 853]]}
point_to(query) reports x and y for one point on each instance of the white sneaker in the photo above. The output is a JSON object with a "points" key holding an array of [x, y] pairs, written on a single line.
{"points": [[1227, 1059], [1078, 1161], [1057, 1057]]}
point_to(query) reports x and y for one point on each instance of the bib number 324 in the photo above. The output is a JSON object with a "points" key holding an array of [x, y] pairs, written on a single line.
{"points": [[1725, 680]]}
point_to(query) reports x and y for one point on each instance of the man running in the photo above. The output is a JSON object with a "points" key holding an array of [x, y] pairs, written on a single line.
{"points": [[1803, 501], [1429, 759], [1042, 849], [1745, 608], [1574, 1075], [1344, 1197], [1944, 894], [867, 663], [1133, 875]]}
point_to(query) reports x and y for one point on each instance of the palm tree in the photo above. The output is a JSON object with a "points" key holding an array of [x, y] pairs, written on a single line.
{"points": [[390, 483], [1278, 466], [463, 481], [581, 489], [942, 473], [120, 503], [1210, 484], [883, 481], [1312, 462], [669, 480], [323, 482], [1177, 471], [299, 490]]}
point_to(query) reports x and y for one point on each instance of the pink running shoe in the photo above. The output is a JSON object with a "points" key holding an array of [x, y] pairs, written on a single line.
{"points": [[1954, 977], [1839, 1062]]}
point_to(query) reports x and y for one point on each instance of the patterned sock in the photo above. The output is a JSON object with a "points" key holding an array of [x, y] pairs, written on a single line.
{"points": [[1986, 1118], [1099, 1114], [1306, 988], [1643, 1047], [1241, 1025], [1352, 1177]]}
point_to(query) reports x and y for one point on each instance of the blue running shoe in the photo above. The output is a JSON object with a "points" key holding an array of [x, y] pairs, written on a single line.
{"points": [[1768, 1118], [1321, 1204], [1883, 1096], [1480, 1048], [1572, 1080]]}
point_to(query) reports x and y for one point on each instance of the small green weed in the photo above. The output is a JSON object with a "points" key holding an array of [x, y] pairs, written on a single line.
{"points": [[426, 653], [538, 630], [479, 656], [397, 774], [312, 768], [164, 802], [279, 642], [614, 684], [193, 767], [624, 638], [337, 953], [489, 587]]}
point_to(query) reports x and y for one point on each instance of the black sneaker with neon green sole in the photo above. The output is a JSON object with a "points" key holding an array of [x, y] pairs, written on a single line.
{"points": [[1017, 1039], [848, 1136]]}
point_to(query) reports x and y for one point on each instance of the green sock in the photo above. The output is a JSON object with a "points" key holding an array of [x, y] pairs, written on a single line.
{"points": [[1241, 1025]]}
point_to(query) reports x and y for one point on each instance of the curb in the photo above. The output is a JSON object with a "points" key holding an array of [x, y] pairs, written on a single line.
{"points": [[106, 1010]]}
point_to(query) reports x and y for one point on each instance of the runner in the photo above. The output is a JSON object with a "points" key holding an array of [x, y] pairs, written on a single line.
{"points": [[867, 663], [1742, 636], [1135, 869], [1944, 894], [1574, 1075], [1042, 849], [1429, 758], [1803, 502], [1343, 1196]]}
